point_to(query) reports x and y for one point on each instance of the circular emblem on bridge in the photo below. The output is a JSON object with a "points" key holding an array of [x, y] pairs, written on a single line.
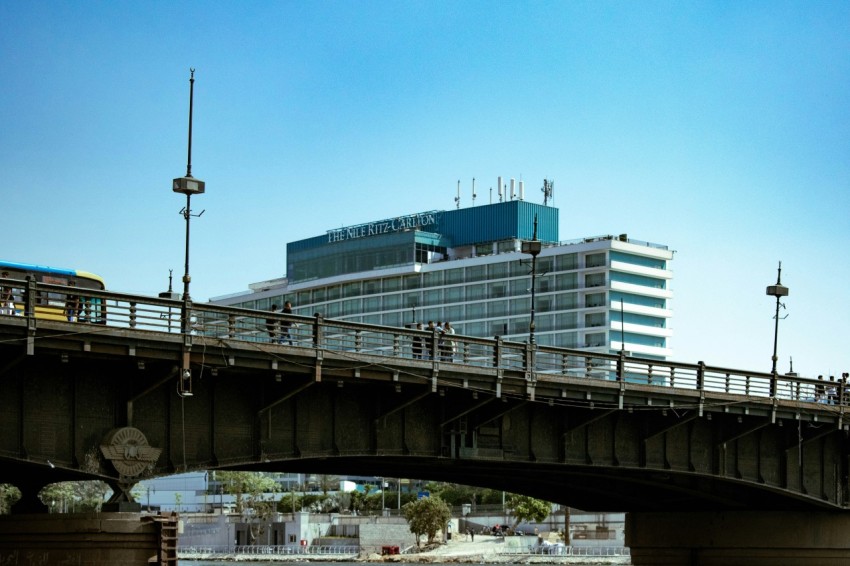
{"points": [[129, 451]]}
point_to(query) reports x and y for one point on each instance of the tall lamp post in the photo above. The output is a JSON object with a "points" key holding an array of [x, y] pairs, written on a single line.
{"points": [[532, 247], [188, 186], [778, 291]]}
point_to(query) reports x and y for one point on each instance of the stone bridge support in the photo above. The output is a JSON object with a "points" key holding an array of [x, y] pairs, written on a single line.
{"points": [[751, 538]]}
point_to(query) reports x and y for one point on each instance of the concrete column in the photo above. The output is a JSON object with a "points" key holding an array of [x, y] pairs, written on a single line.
{"points": [[754, 538]]}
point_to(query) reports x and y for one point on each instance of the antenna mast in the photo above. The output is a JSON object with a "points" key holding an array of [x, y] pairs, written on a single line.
{"points": [[548, 191]]}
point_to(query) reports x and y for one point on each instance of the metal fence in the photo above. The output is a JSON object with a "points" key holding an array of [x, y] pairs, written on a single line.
{"points": [[269, 550], [219, 324]]}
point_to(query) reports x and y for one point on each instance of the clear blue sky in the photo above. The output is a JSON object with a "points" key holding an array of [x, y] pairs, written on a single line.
{"points": [[719, 128]]}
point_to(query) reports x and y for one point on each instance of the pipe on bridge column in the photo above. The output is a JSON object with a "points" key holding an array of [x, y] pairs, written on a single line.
{"points": [[755, 538]]}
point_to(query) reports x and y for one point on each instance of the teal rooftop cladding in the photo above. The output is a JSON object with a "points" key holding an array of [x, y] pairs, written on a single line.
{"points": [[414, 238], [497, 222]]}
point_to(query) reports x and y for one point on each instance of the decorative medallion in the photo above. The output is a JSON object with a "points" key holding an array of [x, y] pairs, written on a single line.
{"points": [[128, 450]]}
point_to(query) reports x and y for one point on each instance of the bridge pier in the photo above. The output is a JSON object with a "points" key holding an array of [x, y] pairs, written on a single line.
{"points": [[754, 538], [95, 539]]}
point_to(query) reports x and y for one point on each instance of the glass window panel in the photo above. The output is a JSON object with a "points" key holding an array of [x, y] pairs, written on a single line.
{"points": [[545, 283], [476, 310], [478, 329], [498, 290], [391, 319], [372, 287], [497, 308], [476, 273], [544, 304], [432, 297], [454, 276], [594, 280], [565, 301], [520, 267], [333, 310], [453, 294], [302, 298], [319, 294], [566, 339], [594, 300], [566, 321], [333, 292], [351, 306], [594, 340], [498, 327], [476, 292], [412, 281], [594, 260], [565, 281], [372, 304], [453, 312], [391, 284], [566, 262], [521, 325], [432, 279], [594, 319], [507, 246], [544, 323], [520, 286], [351, 289], [412, 300], [261, 304], [392, 301], [520, 306], [498, 270], [372, 319], [545, 264], [433, 314], [483, 249]]}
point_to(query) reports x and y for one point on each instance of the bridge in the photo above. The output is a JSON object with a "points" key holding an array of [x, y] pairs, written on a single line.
{"points": [[709, 462]]}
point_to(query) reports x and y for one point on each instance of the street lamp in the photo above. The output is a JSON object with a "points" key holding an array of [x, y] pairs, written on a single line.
{"points": [[532, 247], [188, 186], [778, 291]]}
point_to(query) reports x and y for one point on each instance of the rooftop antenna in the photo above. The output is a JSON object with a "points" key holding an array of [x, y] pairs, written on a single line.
{"points": [[457, 198], [548, 191], [473, 191]]}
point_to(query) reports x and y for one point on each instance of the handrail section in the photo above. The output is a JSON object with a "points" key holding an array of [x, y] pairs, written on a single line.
{"points": [[36, 301]]}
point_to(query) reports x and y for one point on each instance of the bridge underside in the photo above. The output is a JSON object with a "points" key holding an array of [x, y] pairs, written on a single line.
{"points": [[576, 442]]}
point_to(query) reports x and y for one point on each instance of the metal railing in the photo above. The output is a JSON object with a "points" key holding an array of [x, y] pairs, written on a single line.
{"points": [[565, 550], [267, 550], [533, 363]]}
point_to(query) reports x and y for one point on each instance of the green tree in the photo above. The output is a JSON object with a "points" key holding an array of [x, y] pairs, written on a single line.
{"points": [[79, 496], [426, 516], [250, 490], [9, 494], [525, 508]]}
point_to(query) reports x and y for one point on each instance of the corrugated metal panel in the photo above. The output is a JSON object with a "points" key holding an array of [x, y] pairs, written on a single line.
{"points": [[500, 221]]}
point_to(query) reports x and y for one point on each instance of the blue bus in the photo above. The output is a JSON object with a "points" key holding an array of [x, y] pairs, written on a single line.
{"points": [[77, 306]]}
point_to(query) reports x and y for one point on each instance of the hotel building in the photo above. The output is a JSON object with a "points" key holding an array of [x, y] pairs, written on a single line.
{"points": [[466, 266]]}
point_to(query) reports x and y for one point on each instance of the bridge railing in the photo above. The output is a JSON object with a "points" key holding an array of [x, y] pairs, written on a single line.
{"points": [[533, 362]]}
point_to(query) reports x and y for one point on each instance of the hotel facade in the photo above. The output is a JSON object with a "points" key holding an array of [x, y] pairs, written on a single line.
{"points": [[466, 266]]}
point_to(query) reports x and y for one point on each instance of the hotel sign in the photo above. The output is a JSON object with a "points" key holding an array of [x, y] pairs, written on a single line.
{"points": [[409, 222]]}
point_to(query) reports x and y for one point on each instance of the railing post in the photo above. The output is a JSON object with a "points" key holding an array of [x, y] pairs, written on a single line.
{"points": [[132, 314], [317, 330], [621, 366], [358, 341], [231, 326], [29, 312], [497, 352], [396, 345], [700, 376], [434, 345]]}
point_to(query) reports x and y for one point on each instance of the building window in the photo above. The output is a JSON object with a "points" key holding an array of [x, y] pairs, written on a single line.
{"points": [[391, 284], [432, 297], [454, 276], [351, 290], [413, 300], [594, 280], [319, 294], [453, 312], [497, 270], [476, 310], [372, 287], [412, 282], [594, 340], [566, 262], [333, 292], [372, 304], [454, 294], [432, 279], [477, 273], [476, 292], [594, 300], [497, 308], [566, 282], [594, 260], [566, 301], [594, 319], [498, 290], [520, 287]]}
